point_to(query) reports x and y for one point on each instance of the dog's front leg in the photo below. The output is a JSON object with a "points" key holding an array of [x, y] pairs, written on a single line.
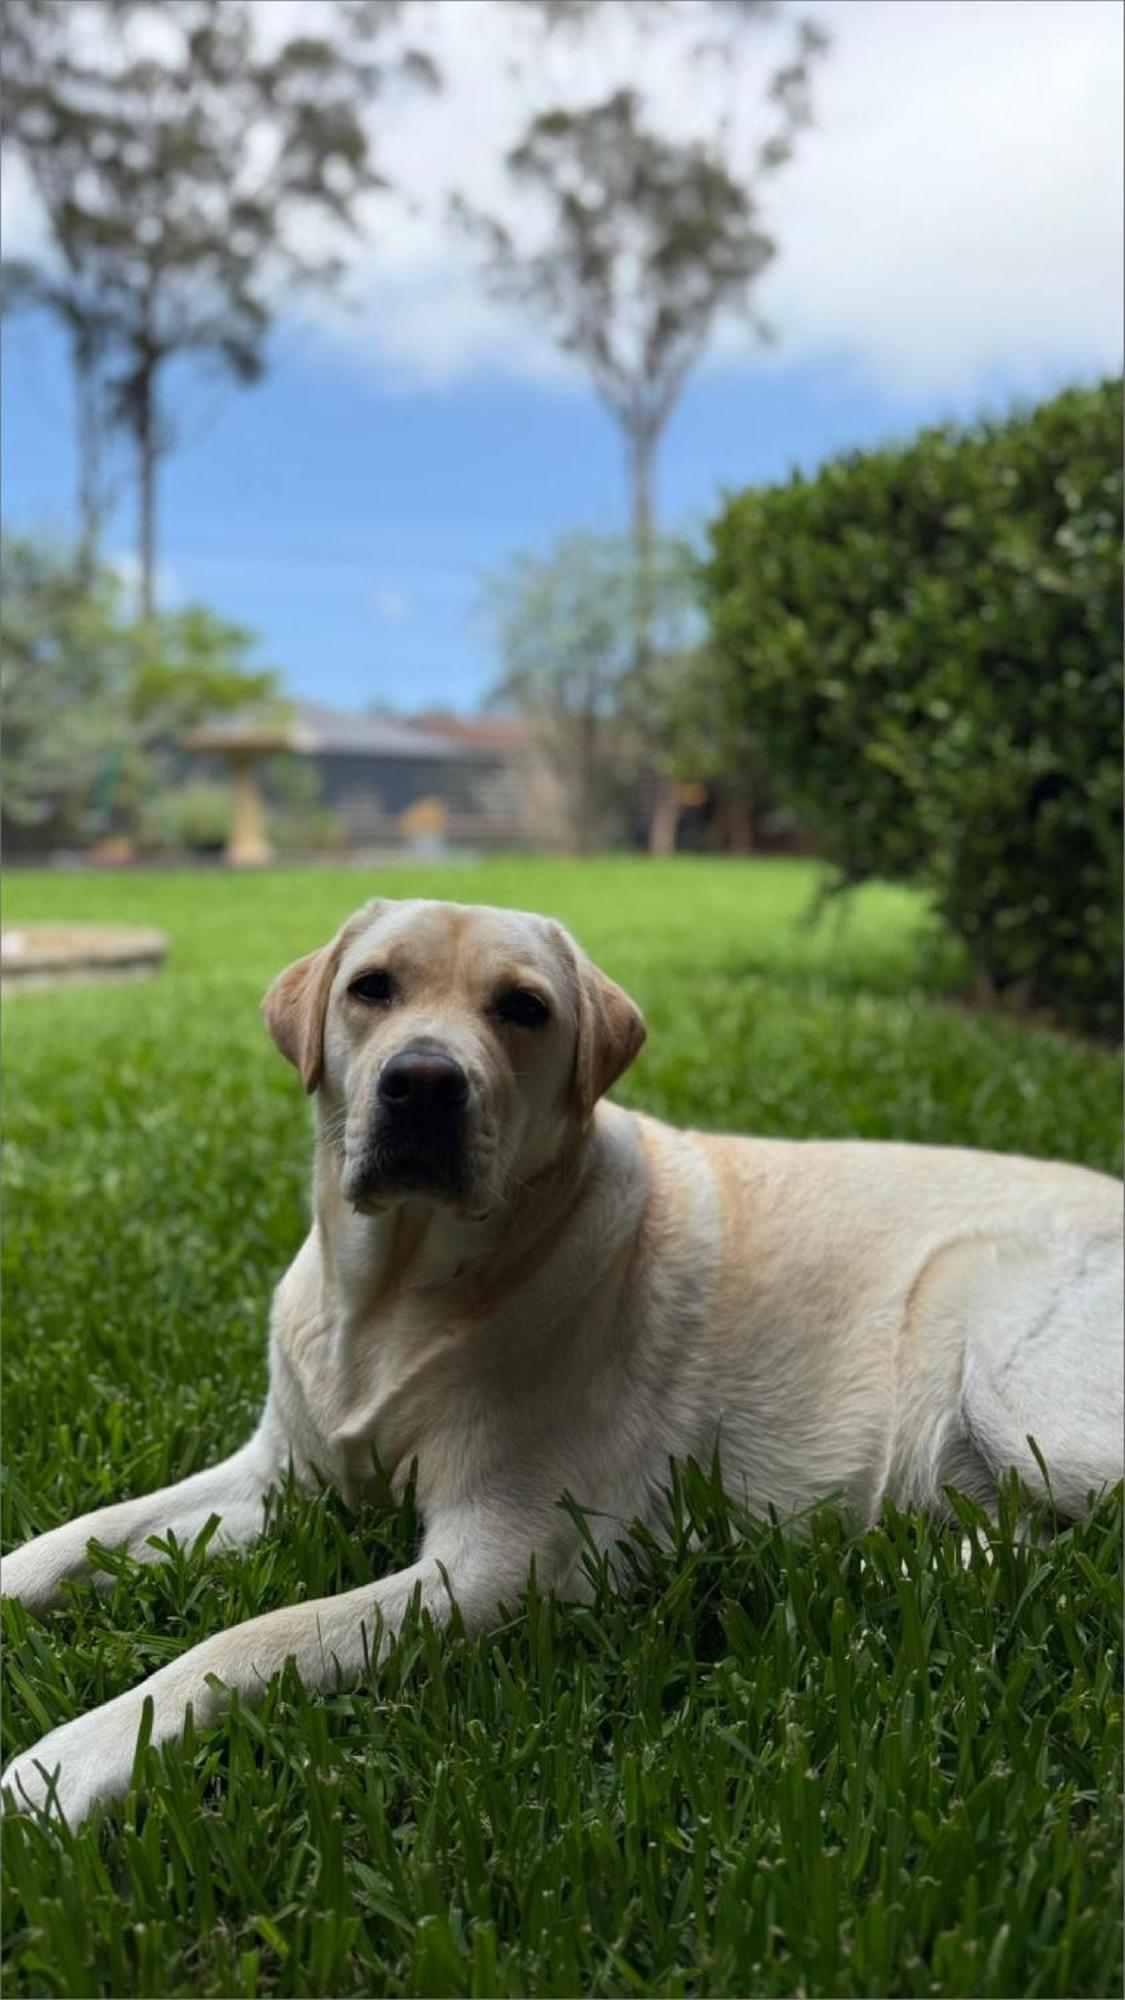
{"points": [[479, 1565], [235, 1490]]}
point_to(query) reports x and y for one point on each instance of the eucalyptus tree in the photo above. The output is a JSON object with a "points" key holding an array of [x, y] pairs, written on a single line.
{"points": [[562, 624], [36, 127], [192, 172], [642, 242]]}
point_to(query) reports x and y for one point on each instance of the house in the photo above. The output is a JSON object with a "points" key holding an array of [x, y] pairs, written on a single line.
{"points": [[435, 780], [387, 782]]}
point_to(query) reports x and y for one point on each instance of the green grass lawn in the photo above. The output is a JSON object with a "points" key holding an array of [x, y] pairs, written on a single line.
{"points": [[848, 1765]]}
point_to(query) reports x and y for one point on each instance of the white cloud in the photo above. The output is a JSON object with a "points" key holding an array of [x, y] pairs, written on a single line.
{"points": [[959, 207], [20, 229], [955, 212]]}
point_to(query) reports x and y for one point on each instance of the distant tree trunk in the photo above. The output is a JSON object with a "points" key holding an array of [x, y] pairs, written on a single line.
{"points": [[147, 452], [642, 471], [642, 456], [665, 820], [738, 824], [85, 363], [585, 815]]}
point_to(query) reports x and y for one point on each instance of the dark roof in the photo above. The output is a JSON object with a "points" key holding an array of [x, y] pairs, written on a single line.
{"points": [[309, 727], [502, 734], [376, 735]]}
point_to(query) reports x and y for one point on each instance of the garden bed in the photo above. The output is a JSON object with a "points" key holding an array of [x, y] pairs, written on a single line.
{"points": [[41, 955]]}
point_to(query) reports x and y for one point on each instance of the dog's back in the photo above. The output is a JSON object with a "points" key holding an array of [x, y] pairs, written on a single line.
{"points": [[887, 1319]]}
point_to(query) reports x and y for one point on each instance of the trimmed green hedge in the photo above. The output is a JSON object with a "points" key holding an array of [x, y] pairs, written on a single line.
{"points": [[928, 641]]}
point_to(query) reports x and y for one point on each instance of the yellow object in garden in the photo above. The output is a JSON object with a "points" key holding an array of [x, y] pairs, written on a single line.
{"points": [[424, 822]]}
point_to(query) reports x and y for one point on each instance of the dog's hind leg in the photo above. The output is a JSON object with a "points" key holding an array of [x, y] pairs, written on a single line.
{"points": [[1043, 1361]]}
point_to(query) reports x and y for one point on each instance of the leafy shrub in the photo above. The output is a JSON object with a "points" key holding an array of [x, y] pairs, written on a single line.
{"points": [[299, 820], [65, 666], [195, 816], [307, 830], [95, 701], [927, 640]]}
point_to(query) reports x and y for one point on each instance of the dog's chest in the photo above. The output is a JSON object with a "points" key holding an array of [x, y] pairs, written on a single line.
{"points": [[376, 1395]]}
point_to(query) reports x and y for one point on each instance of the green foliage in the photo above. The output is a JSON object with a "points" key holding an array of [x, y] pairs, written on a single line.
{"points": [[565, 628], [299, 821], [649, 239], [191, 664], [93, 699], [843, 1765], [194, 816], [928, 641], [701, 735], [65, 670]]}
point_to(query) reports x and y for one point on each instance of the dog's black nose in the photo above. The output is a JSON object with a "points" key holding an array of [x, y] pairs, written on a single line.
{"points": [[423, 1081]]}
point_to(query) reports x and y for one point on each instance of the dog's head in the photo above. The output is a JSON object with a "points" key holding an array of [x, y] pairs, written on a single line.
{"points": [[456, 1050]]}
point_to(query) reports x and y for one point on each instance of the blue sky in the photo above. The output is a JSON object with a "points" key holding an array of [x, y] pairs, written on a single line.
{"points": [[347, 508]]}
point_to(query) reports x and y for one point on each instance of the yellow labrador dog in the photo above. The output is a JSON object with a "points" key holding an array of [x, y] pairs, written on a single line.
{"points": [[529, 1292]]}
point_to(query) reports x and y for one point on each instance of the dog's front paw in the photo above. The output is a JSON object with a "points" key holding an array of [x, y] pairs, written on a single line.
{"points": [[76, 1767]]}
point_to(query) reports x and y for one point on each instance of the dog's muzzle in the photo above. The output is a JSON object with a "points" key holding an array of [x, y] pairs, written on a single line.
{"points": [[416, 1142]]}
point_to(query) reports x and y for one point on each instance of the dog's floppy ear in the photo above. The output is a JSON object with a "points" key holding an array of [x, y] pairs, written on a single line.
{"points": [[295, 1005], [294, 1008], [611, 1032]]}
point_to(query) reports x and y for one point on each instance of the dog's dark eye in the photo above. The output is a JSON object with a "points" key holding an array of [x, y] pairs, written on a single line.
{"points": [[375, 989], [520, 1009]]}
